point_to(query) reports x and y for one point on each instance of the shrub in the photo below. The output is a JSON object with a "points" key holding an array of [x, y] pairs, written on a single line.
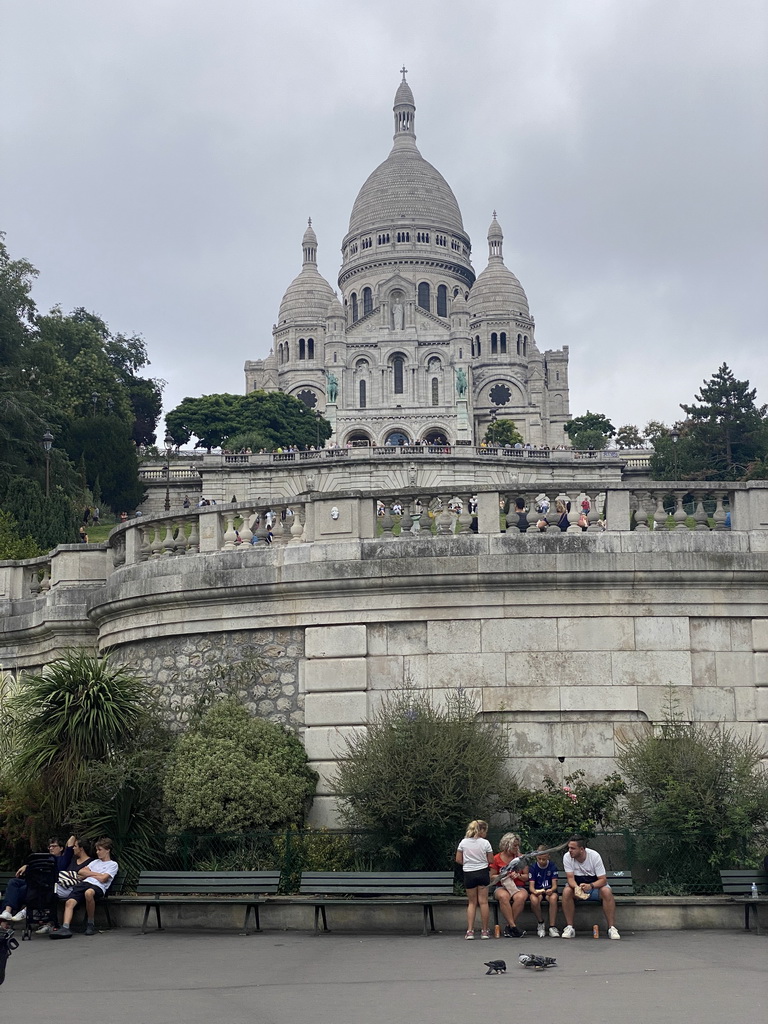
{"points": [[551, 814], [702, 791], [419, 773], [235, 773]]}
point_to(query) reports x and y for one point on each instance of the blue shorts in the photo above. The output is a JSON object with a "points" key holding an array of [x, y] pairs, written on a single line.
{"points": [[594, 895]]}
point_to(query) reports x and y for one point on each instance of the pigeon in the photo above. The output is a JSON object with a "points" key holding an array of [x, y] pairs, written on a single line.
{"points": [[526, 858], [496, 966], [7, 944], [539, 963]]}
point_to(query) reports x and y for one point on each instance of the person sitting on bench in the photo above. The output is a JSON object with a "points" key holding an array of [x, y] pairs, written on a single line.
{"points": [[97, 878]]}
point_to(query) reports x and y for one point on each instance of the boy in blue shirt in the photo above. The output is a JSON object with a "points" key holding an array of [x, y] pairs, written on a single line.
{"points": [[543, 885]]}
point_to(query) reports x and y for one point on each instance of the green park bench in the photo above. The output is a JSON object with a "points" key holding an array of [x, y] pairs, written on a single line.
{"points": [[248, 889], [376, 889], [621, 883], [737, 883]]}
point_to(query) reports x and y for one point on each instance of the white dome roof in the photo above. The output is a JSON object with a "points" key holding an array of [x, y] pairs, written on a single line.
{"points": [[308, 295], [497, 290]]}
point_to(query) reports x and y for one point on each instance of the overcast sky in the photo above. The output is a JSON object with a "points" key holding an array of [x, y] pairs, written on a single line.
{"points": [[160, 159]]}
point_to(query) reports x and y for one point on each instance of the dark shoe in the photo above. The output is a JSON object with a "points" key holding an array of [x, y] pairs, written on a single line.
{"points": [[513, 933], [90, 929], [61, 933]]}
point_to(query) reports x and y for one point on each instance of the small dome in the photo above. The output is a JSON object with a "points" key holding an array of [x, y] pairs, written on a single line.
{"points": [[308, 295], [497, 290], [459, 303], [310, 238], [404, 94], [335, 307]]}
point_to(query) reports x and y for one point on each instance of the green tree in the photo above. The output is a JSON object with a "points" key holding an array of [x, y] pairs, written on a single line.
{"points": [[503, 432], [702, 792], [417, 775], [727, 430], [48, 521], [105, 445], [275, 419], [629, 436], [234, 773], [591, 430], [12, 544]]}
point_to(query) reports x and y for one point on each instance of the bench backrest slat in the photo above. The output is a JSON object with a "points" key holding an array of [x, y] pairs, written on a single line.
{"points": [[377, 883], [204, 882], [738, 881]]}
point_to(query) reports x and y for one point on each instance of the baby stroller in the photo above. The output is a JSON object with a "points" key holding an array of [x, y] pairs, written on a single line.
{"points": [[7, 945], [41, 876]]}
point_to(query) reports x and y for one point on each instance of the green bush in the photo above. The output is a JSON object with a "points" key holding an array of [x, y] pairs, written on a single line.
{"points": [[551, 814], [419, 773], [235, 773], [701, 793]]}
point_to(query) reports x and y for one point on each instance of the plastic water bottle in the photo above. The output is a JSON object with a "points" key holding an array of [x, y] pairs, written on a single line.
{"points": [[754, 890], [595, 931]]}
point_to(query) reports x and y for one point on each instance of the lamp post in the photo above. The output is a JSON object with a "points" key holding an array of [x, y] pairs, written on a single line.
{"points": [[168, 443], [47, 442], [95, 399], [318, 417], [492, 430], [675, 438]]}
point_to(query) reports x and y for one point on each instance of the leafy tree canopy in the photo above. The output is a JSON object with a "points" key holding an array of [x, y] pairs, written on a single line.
{"points": [[629, 436], [280, 420], [591, 430], [503, 432]]}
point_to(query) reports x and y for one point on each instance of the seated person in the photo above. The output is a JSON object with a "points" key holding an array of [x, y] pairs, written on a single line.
{"points": [[82, 855], [543, 886], [16, 892], [511, 886], [96, 879], [585, 872]]}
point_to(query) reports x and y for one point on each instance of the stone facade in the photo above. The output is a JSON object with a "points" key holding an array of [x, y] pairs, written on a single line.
{"points": [[417, 348]]}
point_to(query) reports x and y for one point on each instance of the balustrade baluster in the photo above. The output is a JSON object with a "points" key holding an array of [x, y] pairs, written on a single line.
{"points": [[145, 547], [593, 516], [552, 516], [169, 543], [193, 541], [680, 514], [386, 521], [640, 514], [444, 519], [700, 516], [464, 520], [513, 516], [574, 513], [230, 536], [156, 544], [245, 530], [406, 519], [297, 527], [720, 513], [45, 579], [660, 515]]}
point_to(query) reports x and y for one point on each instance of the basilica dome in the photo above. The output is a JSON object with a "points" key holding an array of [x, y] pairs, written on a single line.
{"points": [[497, 290], [405, 187], [308, 295]]}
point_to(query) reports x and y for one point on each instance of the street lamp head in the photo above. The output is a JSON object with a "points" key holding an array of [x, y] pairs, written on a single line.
{"points": [[47, 440], [168, 441], [675, 436]]}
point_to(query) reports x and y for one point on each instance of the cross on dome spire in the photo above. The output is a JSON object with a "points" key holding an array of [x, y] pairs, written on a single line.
{"points": [[404, 71]]}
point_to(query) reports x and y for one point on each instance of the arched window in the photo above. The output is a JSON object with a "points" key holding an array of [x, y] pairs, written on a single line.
{"points": [[519, 344], [477, 343], [435, 391], [442, 300], [460, 355], [494, 344], [503, 342], [353, 303], [362, 394], [280, 352], [287, 352], [367, 300], [397, 373], [525, 345], [424, 295], [302, 349], [310, 348]]}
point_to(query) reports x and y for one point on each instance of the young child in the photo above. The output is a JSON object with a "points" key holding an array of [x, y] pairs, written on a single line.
{"points": [[475, 854], [543, 885]]}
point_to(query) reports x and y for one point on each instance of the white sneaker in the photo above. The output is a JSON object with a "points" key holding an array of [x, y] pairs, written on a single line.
{"points": [[554, 933], [21, 916], [613, 933], [569, 932], [6, 916], [541, 930]]}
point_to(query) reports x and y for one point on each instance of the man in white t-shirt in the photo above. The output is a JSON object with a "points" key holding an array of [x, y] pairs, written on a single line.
{"points": [[586, 880], [96, 879]]}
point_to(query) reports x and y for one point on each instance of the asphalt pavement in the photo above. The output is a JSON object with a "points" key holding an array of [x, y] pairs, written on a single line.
{"points": [[187, 977]]}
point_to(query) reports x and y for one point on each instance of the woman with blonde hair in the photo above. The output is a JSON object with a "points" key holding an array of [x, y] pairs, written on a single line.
{"points": [[475, 854], [511, 886]]}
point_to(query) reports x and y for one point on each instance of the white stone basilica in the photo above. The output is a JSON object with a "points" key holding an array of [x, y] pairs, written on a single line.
{"points": [[420, 348]]}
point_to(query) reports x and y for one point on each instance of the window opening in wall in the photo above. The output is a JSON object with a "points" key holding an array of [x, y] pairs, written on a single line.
{"points": [[302, 349], [442, 300], [494, 344], [503, 342], [422, 236], [353, 303], [367, 300], [519, 344], [525, 344], [287, 352], [460, 355], [424, 295], [362, 394], [310, 348], [435, 391], [479, 348], [334, 357], [397, 370]]}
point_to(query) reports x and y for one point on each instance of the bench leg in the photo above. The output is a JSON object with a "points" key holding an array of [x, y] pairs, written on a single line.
{"points": [[429, 918], [251, 909], [147, 908], [320, 912]]}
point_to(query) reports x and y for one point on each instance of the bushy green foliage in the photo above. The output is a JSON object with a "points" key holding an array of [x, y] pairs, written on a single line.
{"points": [[702, 792], [235, 773], [417, 775], [47, 521], [551, 814], [591, 430], [12, 544], [503, 432]]}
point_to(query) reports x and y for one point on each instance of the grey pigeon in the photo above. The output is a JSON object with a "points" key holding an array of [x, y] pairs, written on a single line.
{"points": [[496, 966], [7, 944], [527, 858], [539, 963]]}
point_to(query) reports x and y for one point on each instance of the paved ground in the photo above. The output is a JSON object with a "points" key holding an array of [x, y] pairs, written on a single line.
{"points": [[122, 977]]}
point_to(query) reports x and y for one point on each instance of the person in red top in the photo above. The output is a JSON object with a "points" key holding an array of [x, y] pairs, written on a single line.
{"points": [[511, 888]]}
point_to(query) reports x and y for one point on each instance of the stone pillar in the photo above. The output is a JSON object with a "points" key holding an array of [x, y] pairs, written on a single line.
{"points": [[488, 512], [211, 534], [617, 511], [760, 645]]}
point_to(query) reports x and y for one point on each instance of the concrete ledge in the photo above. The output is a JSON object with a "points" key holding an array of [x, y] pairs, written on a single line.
{"points": [[282, 913]]}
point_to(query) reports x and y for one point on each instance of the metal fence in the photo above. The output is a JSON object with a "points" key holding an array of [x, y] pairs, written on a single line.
{"points": [[653, 859]]}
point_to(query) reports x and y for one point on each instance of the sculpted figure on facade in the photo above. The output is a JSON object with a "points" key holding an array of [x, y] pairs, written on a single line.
{"points": [[461, 382]]}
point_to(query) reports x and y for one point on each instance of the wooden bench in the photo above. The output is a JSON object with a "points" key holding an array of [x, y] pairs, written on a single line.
{"points": [[621, 883], [737, 883], [376, 888], [221, 888]]}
